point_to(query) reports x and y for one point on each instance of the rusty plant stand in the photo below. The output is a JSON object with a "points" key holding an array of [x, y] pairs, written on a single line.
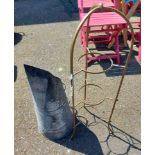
{"points": [[72, 74]]}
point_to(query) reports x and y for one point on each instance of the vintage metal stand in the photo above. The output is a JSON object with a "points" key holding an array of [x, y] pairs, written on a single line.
{"points": [[72, 74]]}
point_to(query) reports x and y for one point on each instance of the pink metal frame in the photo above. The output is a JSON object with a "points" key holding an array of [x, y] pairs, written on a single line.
{"points": [[88, 4], [102, 21]]}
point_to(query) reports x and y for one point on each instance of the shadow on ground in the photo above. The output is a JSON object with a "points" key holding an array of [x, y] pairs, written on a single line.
{"points": [[117, 142], [134, 67], [28, 12], [18, 37], [15, 73], [86, 140]]}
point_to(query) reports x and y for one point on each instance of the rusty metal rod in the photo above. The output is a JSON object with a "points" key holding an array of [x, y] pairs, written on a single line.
{"points": [[95, 8], [71, 61]]}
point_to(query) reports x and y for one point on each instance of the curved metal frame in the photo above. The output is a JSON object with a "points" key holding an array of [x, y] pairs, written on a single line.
{"points": [[84, 70], [87, 17], [98, 102]]}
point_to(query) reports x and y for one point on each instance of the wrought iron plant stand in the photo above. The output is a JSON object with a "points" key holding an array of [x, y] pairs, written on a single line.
{"points": [[72, 74]]}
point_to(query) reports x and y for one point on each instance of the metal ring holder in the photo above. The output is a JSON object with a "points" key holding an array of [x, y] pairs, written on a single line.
{"points": [[84, 70], [72, 74], [99, 102]]}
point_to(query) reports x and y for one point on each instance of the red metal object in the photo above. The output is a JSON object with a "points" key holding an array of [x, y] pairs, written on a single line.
{"points": [[101, 21]]}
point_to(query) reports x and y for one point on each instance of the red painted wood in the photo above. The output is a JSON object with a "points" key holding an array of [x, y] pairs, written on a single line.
{"points": [[90, 3], [106, 18]]}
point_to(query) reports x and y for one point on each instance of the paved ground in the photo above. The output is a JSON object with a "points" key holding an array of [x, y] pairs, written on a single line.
{"points": [[45, 39]]}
